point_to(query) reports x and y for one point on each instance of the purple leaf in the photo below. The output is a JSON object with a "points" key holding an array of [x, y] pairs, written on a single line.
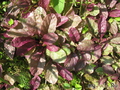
{"points": [[112, 3], [49, 24], [96, 54], [25, 48], [102, 81], [108, 69], [18, 31], [64, 73], [74, 34], [90, 7], [50, 38], [73, 21], [71, 61], [117, 87], [114, 13], [102, 26], [44, 3], [86, 56], [61, 20], [37, 63], [16, 6], [115, 76], [1, 86], [104, 11], [20, 41], [21, 2], [86, 45], [35, 82], [80, 65], [53, 48]]}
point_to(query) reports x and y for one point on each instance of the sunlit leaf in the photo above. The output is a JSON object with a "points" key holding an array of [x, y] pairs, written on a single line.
{"points": [[9, 49], [59, 56], [107, 60], [86, 45], [104, 10], [49, 24], [108, 49], [95, 11], [113, 28], [90, 68], [53, 48], [10, 22], [10, 79], [93, 26], [61, 20], [117, 19], [35, 82], [37, 63], [66, 49], [115, 40], [51, 73]]}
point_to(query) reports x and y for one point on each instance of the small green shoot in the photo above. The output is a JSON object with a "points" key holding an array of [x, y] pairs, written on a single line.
{"points": [[11, 21]]}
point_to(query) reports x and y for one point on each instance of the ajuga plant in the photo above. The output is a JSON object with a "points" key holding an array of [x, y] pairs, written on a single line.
{"points": [[60, 36]]}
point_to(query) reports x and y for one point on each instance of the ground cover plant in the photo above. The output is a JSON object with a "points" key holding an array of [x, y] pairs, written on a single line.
{"points": [[60, 45]]}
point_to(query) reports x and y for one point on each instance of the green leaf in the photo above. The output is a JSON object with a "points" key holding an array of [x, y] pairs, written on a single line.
{"points": [[110, 20], [59, 56], [58, 5], [84, 30], [115, 66], [4, 2], [99, 70], [108, 50], [116, 48], [2, 80], [107, 60], [10, 22], [110, 80], [67, 50], [117, 19], [93, 26], [66, 85], [95, 12], [78, 87], [90, 68]]}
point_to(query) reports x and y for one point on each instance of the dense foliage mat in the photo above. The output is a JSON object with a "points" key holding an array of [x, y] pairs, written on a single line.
{"points": [[60, 44]]}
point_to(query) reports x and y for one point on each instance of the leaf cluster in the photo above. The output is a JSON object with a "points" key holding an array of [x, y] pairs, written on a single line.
{"points": [[59, 38]]}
